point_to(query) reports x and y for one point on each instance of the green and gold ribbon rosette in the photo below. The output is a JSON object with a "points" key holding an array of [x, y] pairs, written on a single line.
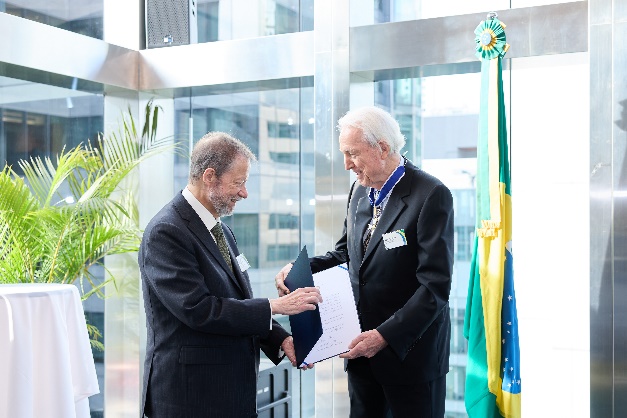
{"points": [[490, 38]]}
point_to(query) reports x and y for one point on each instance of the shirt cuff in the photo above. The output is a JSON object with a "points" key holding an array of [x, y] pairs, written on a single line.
{"points": [[271, 313]]}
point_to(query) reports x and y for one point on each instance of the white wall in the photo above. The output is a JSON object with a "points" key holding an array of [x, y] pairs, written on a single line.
{"points": [[551, 232]]}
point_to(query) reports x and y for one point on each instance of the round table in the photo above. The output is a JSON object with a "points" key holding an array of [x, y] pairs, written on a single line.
{"points": [[45, 355]]}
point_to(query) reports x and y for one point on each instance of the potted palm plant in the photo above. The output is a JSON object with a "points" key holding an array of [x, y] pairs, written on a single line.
{"points": [[65, 215]]}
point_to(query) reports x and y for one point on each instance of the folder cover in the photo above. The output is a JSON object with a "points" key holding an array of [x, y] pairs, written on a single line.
{"points": [[306, 326]]}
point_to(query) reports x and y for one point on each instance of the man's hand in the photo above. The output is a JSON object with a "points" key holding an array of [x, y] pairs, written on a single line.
{"points": [[279, 280], [290, 352], [300, 300], [288, 349], [366, 344]]}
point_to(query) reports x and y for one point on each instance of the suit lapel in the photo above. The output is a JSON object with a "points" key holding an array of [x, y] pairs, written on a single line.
{"points": [[362, 217], [391, 212], [242, 278], [198, 228]]}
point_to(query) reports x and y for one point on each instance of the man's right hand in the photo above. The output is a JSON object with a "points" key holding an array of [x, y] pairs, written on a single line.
{"points": [[279, 280], [300, 300]]}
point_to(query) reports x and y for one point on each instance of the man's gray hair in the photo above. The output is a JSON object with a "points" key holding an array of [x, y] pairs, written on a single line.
{"points": [[216, 150], [376, 125]]}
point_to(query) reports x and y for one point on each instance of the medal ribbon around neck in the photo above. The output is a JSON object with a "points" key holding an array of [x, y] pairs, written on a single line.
{"points": [[387, 187]]}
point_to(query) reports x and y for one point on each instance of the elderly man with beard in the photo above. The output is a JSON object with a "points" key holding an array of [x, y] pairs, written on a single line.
{"points": [[205, 329]]}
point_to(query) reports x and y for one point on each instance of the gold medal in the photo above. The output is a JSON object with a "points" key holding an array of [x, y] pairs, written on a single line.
{"points": [[376, 214]]}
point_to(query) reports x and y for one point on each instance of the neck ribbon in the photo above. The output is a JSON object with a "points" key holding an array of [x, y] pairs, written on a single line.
{"points": [[377, 198]]}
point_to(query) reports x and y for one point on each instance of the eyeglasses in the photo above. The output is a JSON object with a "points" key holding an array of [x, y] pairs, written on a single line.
{"points": [[240, 184]]}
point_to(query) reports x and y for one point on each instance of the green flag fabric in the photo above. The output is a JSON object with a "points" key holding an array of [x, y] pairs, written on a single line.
{"points": [[493, 384]]}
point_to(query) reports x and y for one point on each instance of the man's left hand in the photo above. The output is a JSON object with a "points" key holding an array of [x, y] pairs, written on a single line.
{"points": [[366, 344], [290, 352]]}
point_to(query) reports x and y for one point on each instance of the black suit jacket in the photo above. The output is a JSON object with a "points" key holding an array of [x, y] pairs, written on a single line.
{"points": [[402, 292], [204, 328]]}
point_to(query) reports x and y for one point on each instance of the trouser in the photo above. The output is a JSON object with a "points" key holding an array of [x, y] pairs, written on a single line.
{"points": [[371, 399]]}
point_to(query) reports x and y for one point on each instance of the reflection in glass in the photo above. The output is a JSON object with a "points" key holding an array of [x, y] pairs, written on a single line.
{"points": [[221, 20], [439, 118], [267, 224], [402, 10], [38, 120], [83, 17], [218, 20], [276, 219]]}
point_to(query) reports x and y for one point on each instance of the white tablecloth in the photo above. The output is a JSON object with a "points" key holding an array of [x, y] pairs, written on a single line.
{"points": [[46, 364]]}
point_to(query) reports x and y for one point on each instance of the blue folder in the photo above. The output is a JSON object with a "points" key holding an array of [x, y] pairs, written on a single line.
{"points": [[306, 326]]}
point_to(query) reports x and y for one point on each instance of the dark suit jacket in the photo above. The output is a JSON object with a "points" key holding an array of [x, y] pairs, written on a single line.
{"points": [[204, 328], [402, 292]]}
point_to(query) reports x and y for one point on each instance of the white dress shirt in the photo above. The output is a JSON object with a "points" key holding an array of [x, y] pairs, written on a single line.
{"points": [[207, 218]]}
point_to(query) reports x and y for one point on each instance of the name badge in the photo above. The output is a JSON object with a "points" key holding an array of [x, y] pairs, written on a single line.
{"points": [[394, 239], [243, 263]]}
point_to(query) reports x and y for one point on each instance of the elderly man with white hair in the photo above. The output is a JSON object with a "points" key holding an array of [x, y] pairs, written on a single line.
{"points": [[398, 243]]}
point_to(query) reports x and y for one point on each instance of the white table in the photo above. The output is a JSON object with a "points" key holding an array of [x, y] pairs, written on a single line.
{"points": [[46, 364]]}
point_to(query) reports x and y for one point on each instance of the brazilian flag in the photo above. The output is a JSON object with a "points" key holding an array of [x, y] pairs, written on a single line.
{"points": [[493, 384]]}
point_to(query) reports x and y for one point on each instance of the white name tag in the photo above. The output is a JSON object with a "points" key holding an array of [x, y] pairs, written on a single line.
{"points": [[394, 239], [243, 263]]}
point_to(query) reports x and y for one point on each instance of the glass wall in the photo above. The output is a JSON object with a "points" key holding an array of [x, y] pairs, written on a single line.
{"points": [[221, 20], [402, 10], [217, 20], [277, 218], [547, 105], [84, 17], [439, 116], [39, 120]]}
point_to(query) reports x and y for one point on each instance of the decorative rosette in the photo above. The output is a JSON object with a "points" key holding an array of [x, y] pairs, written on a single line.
{"points": [[490, 39]]}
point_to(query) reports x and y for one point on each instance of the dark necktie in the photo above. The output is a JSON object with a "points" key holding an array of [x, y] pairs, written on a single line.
{"points": [[376, 214], [218, 234]]}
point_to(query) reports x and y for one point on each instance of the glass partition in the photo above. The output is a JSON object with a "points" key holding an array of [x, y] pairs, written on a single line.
{"points": [[39, 120], [217, 20], [548, 111], [403, 10], [439, 117], [548, 125], [277, 218], [222, 20], [84, 17]]}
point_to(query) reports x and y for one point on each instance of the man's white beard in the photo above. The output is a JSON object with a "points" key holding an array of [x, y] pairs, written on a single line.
{"points": [[221, 203]]}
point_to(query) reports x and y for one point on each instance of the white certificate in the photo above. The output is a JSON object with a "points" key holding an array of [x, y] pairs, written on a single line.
{"points": [[340, 323]]}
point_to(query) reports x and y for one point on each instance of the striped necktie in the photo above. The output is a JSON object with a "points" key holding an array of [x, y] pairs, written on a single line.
{"points": [[218, 234]]}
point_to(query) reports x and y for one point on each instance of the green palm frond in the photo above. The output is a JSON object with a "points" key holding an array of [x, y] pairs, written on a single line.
{"points": [[70, 212], [17, 230], [46, 178], [94, 335]]}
